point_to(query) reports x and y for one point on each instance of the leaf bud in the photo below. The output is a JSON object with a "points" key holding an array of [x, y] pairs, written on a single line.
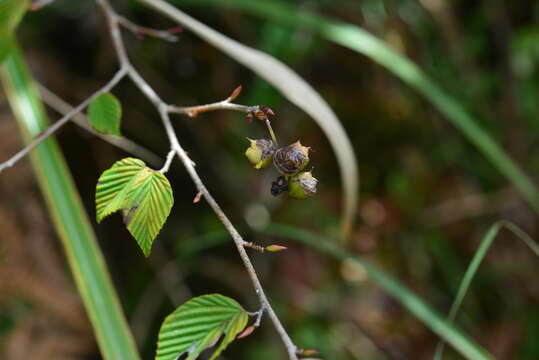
{"points": [[275, 248], [248, 331], [302, 186], [260, 152]]}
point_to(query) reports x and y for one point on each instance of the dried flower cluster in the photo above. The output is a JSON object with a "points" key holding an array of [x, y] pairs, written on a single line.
{"points": [[290, 161]]}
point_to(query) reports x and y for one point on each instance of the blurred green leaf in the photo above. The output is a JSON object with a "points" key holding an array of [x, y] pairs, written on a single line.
{"points": [[142, 194], [199, 324], [423, 312], [105, 113], [480, 254], [65, 208], [11, 13]]}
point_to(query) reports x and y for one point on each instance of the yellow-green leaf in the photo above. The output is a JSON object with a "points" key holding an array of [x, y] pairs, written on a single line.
{"points": [[105, 113], [199, 324], [142, 194]]}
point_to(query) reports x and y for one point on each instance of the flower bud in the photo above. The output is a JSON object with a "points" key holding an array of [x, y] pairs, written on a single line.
{"points": [[308, 352], [260, 152], [291, 159], [275, 248], [259, 112], [248, 331], [302, 186]]}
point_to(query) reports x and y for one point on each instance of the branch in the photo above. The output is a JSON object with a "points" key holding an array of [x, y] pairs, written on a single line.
{"points": [[167, 35], [256, 111], [123, 143], [193, 111], [57, 125], [168, 162], [164, 110]]}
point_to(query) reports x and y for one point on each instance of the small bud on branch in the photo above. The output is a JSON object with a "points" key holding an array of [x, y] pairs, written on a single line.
{"points": [[275, 248]]}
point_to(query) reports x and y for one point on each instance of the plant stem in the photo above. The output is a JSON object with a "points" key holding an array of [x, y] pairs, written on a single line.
{"points": [[57, 125], [164, 110]]}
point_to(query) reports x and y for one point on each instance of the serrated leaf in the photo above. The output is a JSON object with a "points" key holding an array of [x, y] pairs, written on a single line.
{"points": [[11, 13], [105, 113], [142, 194], [199, 324]]}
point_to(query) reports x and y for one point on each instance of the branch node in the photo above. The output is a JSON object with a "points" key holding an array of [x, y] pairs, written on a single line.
{"points": [[252, 245]]}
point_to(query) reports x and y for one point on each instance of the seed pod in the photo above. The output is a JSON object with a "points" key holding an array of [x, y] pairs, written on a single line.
{"points": [[291, 159], [279, 186], [302, 186], [260, 152]]}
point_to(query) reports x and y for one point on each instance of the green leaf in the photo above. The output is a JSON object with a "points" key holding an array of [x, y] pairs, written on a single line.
{"points": [[5, 45], [198, 324], [68, 214], [472, 269], [105, 113], [142, 194], [11, 13]]}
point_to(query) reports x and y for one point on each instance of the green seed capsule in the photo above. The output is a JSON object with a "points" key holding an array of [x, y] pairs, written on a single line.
{"points": [[302, 185], [260, 152]]}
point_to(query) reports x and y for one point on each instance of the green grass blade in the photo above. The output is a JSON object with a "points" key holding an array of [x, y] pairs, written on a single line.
{"points": [[468, 348], [359, 40], [67, 212], [480, 254]]}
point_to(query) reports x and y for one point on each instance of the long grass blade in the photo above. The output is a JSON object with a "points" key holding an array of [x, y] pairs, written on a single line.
{"points": [[294, 88], [480, 254], [360, 41], [423, 312], [71, 222]]}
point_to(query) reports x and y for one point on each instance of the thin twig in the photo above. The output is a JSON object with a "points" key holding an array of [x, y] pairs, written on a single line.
{"points": [[57, 125], [253, 246], [170, 157], [259, 315], [121, 142], [193, 111], [164, 109], [167, 35]]}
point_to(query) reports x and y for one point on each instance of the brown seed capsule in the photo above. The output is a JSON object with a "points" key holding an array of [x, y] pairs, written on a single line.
{"points": [[291, 159], [260, 152], [302, 186]]}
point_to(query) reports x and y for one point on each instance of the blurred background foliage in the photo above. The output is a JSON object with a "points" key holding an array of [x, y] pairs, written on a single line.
{"points": [[427, 195]]}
